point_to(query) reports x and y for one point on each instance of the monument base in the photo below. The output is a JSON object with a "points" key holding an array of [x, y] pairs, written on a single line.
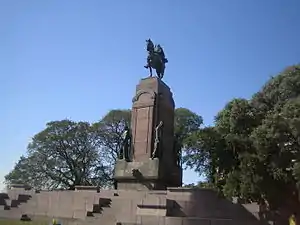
{"points": [[138, 175]]}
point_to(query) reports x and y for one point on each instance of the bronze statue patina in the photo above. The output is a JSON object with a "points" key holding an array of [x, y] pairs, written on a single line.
{"points": [[126, 145], [156, 59], [156, 140]]}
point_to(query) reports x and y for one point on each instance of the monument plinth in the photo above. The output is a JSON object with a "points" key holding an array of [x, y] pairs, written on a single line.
{"points": [[154, 162]]}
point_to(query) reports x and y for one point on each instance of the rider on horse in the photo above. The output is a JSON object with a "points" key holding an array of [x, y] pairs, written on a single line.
{"points": [[154, 50], [159, 50], [156, 59]]}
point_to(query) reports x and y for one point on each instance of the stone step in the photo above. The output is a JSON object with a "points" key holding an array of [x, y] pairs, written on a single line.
{"points": [[105, 202], [127, 223], [24, 198], [14, 203], [14, 213], [7, 202], [196, 221]]}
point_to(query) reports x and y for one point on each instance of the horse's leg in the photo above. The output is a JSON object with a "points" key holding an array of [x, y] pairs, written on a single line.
{"points": [[158, 73], [150, 68], [158, 70], [162, 72]]}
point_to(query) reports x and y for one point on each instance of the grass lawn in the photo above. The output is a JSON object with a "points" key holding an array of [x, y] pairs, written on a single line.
{"points": [[18, 222]]}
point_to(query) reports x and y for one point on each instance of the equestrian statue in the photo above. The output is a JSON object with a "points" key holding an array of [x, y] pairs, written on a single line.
{"points": [[156, 59]]}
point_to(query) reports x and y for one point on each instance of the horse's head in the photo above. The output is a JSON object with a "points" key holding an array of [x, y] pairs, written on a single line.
{"points": [[150, 46]]}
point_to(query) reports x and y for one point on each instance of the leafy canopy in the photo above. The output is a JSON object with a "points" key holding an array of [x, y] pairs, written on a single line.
{"points": [[68, 153], [252, 151]]}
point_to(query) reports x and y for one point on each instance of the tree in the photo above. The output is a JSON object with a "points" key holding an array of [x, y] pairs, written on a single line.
{"points": [[186, 125], [63, 155], [253, 148], [201, 184], [69, 153], [186, 122], [277, 146], [109, 131], [112, 125], [23, 173], [206, 154]]}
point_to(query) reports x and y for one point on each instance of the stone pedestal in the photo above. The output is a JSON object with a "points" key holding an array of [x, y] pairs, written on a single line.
{"points": [[138, 175], [152, 104]]}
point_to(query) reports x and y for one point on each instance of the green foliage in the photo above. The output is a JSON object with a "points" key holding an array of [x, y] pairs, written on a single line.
{"points": [[68, 153], [63, 155], [192, 185], [201, 184], [186, 122], [109, 131], [252, 151], [186, 126]]}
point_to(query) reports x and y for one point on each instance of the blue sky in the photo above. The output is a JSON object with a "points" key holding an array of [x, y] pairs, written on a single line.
{"points": [[79, 59]]}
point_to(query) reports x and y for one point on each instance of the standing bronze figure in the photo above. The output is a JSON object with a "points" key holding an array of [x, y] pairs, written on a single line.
{"points": [[156, 59], [126, 145]]}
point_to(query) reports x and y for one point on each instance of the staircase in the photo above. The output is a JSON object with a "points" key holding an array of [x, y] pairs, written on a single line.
{"points": [[97, 214], [12, 204], [124, 207], [112, 211]]}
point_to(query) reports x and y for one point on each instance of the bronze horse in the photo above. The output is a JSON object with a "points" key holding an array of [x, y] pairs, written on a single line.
{"points": [[155, 60]]}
